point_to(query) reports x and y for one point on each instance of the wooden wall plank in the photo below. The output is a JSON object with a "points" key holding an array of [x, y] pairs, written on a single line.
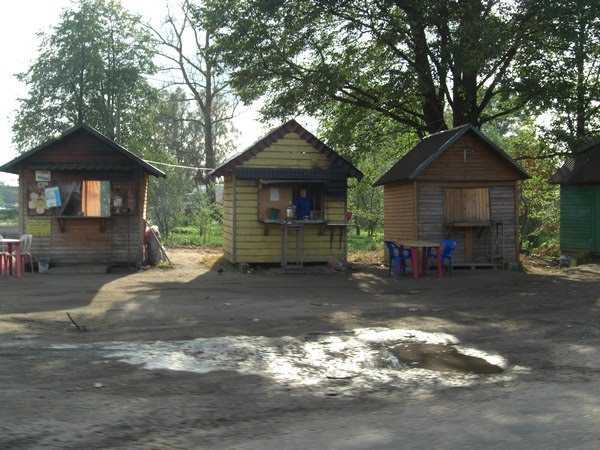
{"points": [[399, 211], [470, 159]]}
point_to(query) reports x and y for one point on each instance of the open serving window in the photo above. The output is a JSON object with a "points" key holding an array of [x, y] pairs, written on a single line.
{"points": [[89, 198], [83, 198], [275, 196]]}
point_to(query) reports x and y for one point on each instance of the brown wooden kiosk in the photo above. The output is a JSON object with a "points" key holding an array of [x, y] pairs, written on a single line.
{"points": [[83, 198], [456, 184], [261, 182]]}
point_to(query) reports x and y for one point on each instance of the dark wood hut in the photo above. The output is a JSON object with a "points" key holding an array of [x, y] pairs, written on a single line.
{"points": [[579, 180], [260, 183], [456, 184], [83, 198]]}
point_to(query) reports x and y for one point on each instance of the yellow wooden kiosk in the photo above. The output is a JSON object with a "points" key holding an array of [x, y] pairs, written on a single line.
{"points": [[261, 183]]}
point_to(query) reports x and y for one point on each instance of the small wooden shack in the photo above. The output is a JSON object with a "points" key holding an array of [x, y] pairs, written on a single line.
{"points": [[261, 182], [579, 180], [83, 198], [456, 184]]}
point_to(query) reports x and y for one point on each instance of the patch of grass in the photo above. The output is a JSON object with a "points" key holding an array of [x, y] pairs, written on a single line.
{"points": [[365, 249], [164, 265], [191, 236], [364, 242]]}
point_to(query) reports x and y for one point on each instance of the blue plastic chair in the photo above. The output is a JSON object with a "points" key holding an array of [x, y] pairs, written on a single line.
{"points": [[447, 245], [396, 258]]}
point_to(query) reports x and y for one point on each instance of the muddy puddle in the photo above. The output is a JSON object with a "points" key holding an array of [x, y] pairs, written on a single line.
{"points": [[359, 359], [442, 358]]}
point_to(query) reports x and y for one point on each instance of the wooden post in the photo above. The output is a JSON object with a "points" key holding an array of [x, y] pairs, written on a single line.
{"points": [[469, 244]]}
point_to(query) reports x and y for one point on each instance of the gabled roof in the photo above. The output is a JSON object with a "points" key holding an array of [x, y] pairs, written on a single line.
{"points": [[411, 165], [337, 162], [12, 166], [582, 167]]}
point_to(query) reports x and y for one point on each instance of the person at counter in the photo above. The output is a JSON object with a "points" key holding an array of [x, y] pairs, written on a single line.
{"points": [[303, 204]]}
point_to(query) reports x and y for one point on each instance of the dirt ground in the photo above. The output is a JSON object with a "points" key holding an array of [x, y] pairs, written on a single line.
{"points": [[197, 357]]}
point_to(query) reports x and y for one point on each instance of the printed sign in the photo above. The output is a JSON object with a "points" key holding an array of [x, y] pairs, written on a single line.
{"points": [[52, 195], [42, 175], [38, 226]]}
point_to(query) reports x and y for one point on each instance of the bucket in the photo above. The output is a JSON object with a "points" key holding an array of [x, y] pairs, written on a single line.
{"points": [[43, 265]]}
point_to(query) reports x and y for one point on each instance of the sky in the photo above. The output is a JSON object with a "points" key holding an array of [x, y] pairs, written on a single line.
{"points": [[18, 49]]}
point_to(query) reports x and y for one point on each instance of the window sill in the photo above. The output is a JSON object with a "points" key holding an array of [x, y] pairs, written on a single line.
{"points": [[63, 219]]}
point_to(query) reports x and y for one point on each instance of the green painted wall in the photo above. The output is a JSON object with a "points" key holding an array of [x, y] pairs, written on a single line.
{"points": [[580, 218]]}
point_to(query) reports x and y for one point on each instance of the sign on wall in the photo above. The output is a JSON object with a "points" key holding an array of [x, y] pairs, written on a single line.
{"points": [[38, 226], [42, 175], [52, 195]]}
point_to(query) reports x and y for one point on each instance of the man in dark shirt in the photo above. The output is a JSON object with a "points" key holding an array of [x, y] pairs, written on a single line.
{"points": [[303, 205]]}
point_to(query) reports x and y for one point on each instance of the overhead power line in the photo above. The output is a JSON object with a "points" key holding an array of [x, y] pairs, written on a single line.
{"points": [[179, 166]]}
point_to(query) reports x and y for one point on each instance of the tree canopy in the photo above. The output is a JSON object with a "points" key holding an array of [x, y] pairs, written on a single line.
{"points": [[91, 68], [188, 52], [570, 72], [426, 65]]}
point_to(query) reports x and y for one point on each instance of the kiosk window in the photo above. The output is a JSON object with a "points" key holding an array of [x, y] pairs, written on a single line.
{"points": [[85, 198]]}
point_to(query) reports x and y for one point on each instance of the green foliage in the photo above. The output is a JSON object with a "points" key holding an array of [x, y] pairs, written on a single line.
{"points": [[206, 105], [167, 200], [366, 243], [189, 236], [373, 143], [181, 199], [9, 217], [9, 195], [421, 64], [91, 68], [568, 70], [206, 215], [539, 216], [366, 249]]}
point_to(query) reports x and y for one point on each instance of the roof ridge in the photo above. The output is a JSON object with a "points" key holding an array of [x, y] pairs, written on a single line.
{"points": [[437, 133]]}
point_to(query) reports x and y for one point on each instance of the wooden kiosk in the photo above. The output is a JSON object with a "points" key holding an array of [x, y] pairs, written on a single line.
{"points": [[83, 198], [457, 184], [262, 181]]}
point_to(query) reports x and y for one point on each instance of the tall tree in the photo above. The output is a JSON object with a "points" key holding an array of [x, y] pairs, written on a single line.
{"points": [[570, 70], [539, 214], [91, 68], [196, 67], [374, 143], [426, 65], [177, 140]]}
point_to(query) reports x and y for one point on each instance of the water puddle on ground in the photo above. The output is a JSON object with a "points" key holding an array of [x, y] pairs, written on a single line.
{"points": [[442, 358], [359, 359]]}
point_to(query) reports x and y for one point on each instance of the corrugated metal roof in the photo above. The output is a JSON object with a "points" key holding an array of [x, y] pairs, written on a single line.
{"points": [[291, 126], [429, 149], [582, 167]]}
